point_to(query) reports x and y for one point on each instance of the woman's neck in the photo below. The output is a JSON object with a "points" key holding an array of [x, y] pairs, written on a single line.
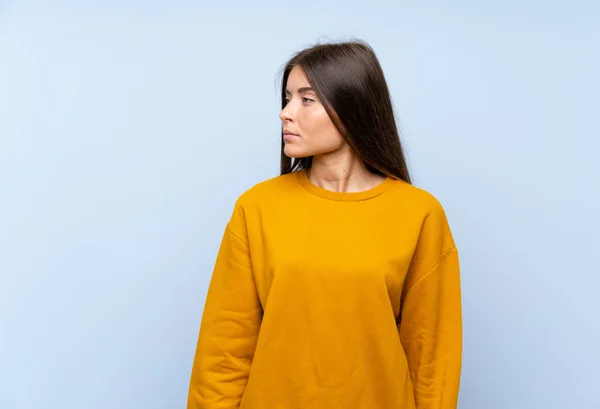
{"points": [[342, 176]]}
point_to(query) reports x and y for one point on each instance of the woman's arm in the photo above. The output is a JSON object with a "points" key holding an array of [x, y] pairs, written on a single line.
{"points": [[430, 324], [230, 325]]}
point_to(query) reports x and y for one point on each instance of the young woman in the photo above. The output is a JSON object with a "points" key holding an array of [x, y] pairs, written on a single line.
{"points": [[336, 285]]}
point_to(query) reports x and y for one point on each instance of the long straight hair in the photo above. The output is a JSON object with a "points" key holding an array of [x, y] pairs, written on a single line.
{"points": [[349, 80]]}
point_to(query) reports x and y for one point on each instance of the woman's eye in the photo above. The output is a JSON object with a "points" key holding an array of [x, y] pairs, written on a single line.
{"points": [[287, 100]]}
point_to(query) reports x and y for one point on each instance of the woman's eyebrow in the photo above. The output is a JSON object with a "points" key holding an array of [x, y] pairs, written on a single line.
{"points": [[300, 90]]}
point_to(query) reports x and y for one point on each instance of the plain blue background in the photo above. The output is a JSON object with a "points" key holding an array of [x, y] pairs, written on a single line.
{"points": [[128, 129]]}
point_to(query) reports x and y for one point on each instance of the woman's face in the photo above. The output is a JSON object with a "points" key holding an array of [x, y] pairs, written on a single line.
{"points": [[305, 116]]}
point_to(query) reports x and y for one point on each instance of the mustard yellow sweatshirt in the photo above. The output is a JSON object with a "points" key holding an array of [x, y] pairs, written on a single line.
{"points": [[331, 300]]}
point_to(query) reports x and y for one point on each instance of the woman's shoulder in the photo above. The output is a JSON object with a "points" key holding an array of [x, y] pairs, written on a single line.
{"points": [[267, 189], [416, 196]]}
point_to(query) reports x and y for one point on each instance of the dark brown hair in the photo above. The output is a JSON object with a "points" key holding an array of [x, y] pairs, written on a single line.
{"points": [[348, 79]]}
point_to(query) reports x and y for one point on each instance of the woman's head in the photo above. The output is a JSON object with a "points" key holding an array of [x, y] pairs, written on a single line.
{"points": [[335, 97]]}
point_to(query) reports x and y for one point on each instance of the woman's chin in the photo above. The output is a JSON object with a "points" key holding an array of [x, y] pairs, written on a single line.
{"points": [[293, 152]]}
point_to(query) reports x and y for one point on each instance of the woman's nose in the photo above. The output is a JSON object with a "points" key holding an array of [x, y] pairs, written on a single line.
{"points": [[286, 113]]}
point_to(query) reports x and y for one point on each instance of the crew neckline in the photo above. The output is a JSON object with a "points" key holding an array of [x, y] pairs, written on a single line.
{"points": [[343, 196]]}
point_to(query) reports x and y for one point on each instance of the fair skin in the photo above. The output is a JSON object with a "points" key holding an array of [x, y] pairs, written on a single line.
{"points": [[335, 166]]}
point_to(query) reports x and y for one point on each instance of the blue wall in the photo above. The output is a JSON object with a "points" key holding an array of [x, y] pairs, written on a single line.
{"points": [[128, 128]]}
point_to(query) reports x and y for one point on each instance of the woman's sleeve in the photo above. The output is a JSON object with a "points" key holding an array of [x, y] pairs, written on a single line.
{"points": [[430, 324], [229, 327]]}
